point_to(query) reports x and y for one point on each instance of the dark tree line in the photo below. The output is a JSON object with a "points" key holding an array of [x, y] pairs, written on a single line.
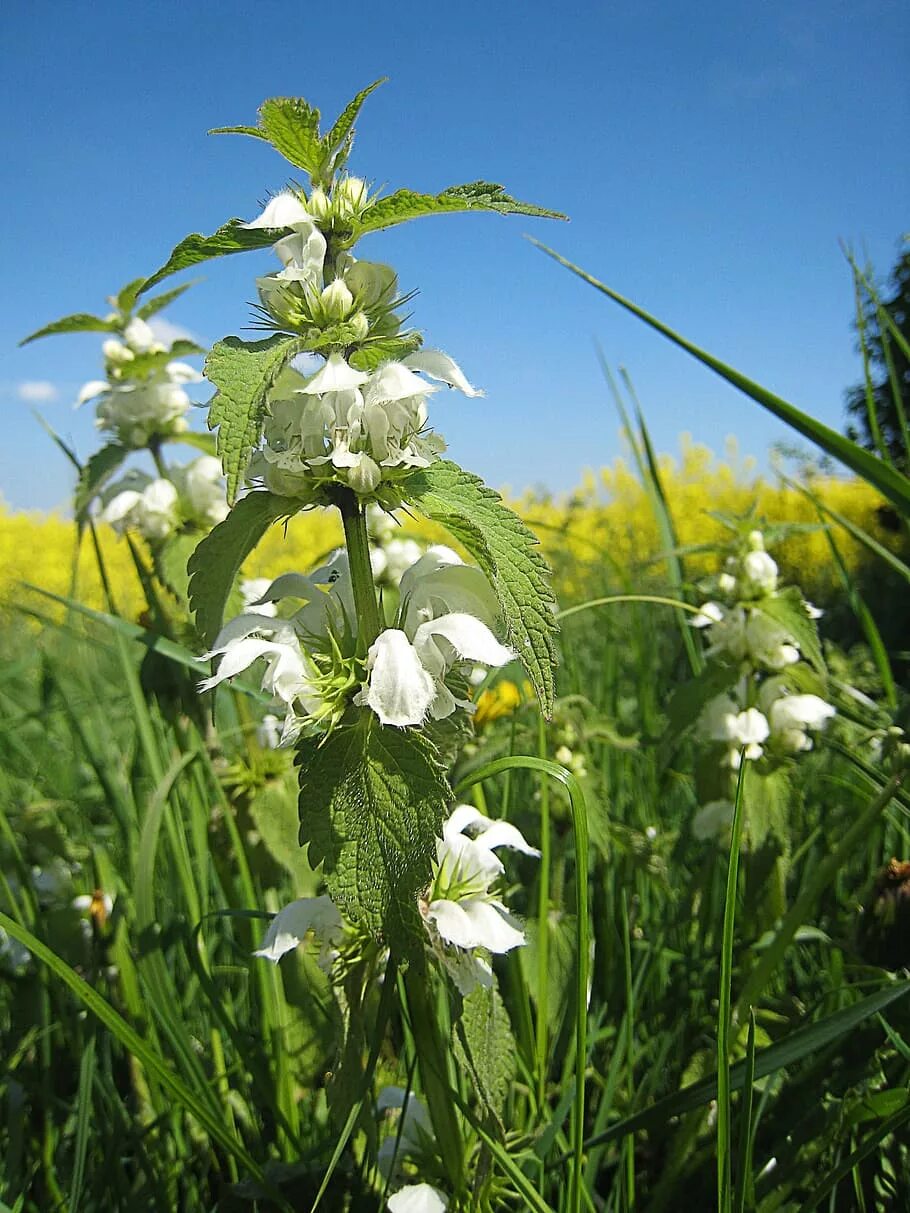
{"points": [[889, 385]]}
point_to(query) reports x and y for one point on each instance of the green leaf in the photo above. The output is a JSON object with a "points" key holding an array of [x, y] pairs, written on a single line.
{"points": [[788, 609], [385, 349], [202, 442], [476, 196], [218, 557], [253, 131], [882, 476], [242, 372], [126, 298], [484, 1044], [342, 131], [291, 125], [95, 474], [159, 302], [170, 560], [507, 552], [231, 237], [80, 322], [372, 802], [779, 1056]]}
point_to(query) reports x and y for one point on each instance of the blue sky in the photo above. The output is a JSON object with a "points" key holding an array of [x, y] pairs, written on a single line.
{"points": [[711, 157]]}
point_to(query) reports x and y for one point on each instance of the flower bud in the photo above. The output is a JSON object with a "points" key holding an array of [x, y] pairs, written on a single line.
{"points": [[336, 300], [318, 203], [756, 541], [116, 352], [350, 197], [359, 326]]}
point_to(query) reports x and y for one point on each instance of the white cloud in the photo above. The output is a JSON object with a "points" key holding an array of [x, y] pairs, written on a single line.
{"points": [[167, 333], [37, 391]]}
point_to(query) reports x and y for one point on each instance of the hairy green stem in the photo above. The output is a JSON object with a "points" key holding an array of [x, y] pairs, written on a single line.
{"points": [[357, 541]]}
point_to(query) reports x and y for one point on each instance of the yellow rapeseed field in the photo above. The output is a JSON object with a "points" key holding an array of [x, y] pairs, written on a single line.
{"points": [[607, 523]]}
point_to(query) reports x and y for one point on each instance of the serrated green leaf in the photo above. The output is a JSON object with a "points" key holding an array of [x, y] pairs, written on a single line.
{"points": [[291, 125], [372, 802], [218, 557], [507, 552], [484, 1044], [788, 609], [231, 237], [385, 349], [95, 475], [157, 304], [476, 196], [343, 128], [243, 372], [253, 131], [79, 322]]}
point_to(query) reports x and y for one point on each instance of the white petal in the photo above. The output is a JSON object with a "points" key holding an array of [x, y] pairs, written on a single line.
{"points": [[462, 816], [393, 381], [469, 637], [400, 690], [504, 834], [440, 366], [335, 376], [290, 926], [418, 1198], [284, 210], [90, 390], [139, 335], [493, 926], [239, 655], [453, 923]]}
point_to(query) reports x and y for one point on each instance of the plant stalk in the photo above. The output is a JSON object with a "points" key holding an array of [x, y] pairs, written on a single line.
{"points": [[353, 518]]}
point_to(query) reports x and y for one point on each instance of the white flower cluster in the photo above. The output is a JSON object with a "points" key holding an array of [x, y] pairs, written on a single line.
{"points": [[465, 921], [464, 918], [138, 405], [340, 423], [445, 619], [156, 507], [764, 712]]}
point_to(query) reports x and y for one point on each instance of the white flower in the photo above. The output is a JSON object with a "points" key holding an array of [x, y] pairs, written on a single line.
{"points": [[141, 338], [287, 644], [284, 210], [15, 957], [767, 643], [726, 583], [116, 352], [291, 926], [445, 614], [418, 1198], [462, 910], [151, 507], [722, 720], [792, 716], [202, 491], [760, 572], [709, 613]]}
